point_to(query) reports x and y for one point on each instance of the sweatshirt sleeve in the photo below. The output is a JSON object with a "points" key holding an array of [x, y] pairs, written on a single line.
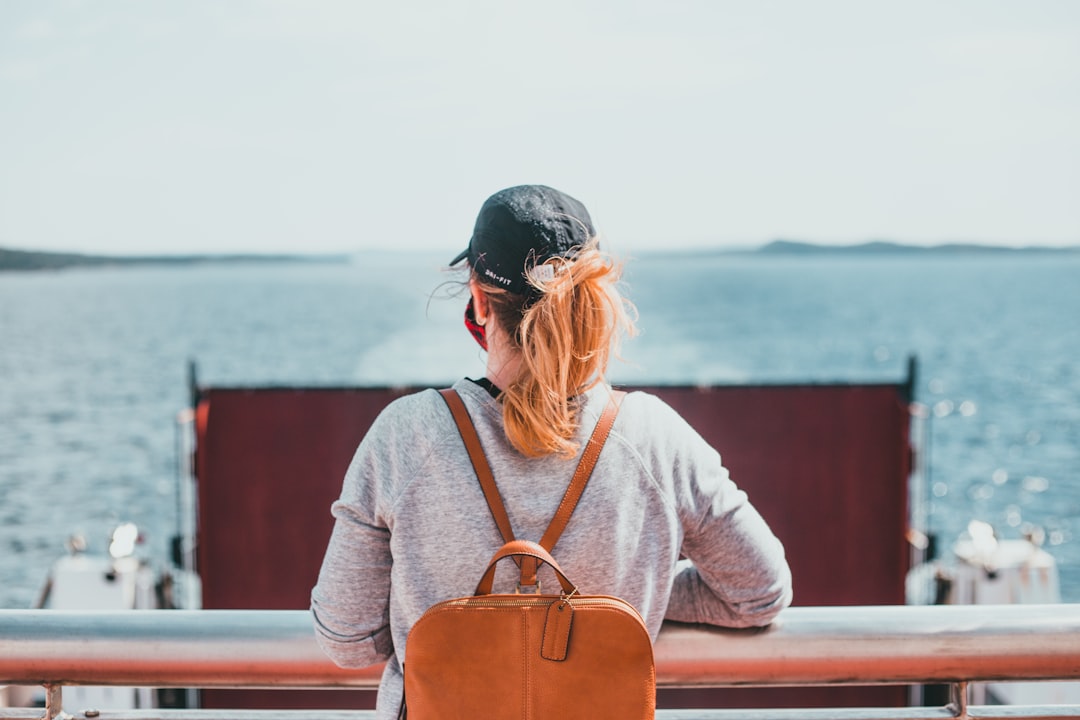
{"points": [[734, 573], [350, 602]]}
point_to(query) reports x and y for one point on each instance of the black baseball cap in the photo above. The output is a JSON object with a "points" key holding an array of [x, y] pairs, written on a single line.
{"points": [[521, 227]]}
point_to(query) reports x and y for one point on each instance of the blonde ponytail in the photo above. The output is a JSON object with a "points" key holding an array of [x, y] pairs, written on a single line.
{"points": [[566, 338]]}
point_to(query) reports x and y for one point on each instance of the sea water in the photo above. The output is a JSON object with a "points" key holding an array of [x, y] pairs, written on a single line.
{"points": [[93, 370]]}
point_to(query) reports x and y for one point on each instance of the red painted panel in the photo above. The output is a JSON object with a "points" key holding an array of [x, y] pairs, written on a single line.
{"points": [[269, 463], [827, 465]]}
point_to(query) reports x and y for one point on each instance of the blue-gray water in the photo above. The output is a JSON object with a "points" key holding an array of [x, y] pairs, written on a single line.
{"points": [[93, 370]]}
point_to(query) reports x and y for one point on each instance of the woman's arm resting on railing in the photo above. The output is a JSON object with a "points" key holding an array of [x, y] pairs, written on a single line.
{"points": [[737, 574]]}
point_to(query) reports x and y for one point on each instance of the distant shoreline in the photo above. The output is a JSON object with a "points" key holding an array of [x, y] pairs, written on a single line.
{"points": [[27, 260], [884, 247], [875, 248]]}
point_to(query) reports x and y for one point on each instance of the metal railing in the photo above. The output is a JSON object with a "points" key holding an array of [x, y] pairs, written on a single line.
{"points": [[953, 645]]}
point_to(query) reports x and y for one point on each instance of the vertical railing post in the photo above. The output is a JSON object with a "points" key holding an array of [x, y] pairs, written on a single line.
{"points": [[958, 700], [54, 702]]}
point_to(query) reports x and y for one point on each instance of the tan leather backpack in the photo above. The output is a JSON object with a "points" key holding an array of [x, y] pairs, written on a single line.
{"points": [[529, 656]]}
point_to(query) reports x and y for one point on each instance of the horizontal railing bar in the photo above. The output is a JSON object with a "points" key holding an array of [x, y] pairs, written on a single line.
{"points": [[806, 646], [989, 712]]}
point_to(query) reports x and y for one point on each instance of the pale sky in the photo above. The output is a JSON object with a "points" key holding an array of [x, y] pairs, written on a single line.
{"points": [[134, 126]]}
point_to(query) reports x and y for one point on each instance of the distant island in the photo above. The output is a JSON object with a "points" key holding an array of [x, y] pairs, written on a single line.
{"points": [[15, 260], [873, 248], [884, 247]]}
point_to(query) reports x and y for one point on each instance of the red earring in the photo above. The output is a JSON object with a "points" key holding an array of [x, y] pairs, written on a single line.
{"points": [[475, 328]]}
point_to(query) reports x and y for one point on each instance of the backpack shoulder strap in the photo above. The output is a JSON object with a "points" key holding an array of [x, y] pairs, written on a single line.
{"points": [[479, 462], [583, 472], [573, 492]]}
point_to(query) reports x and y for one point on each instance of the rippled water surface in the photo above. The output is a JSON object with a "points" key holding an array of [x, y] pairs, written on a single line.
{"points": [[93, 370]]}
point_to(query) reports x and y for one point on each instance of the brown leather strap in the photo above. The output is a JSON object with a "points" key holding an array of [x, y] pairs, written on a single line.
{"points": [[589, 456], [526, 550], [479, 462], [584, 470]]}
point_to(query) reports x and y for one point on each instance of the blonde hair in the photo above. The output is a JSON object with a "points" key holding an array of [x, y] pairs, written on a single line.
{"points": [[566, 331]]}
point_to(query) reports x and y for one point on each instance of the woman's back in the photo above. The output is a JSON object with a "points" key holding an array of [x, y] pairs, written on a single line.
{"points": [[654, 480], [413, 527]]}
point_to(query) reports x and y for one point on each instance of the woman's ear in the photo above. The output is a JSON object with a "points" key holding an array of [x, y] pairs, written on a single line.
{"points": [[481, 306]]}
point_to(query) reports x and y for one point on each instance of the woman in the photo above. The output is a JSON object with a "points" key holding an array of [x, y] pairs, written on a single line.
{"points": [[412, 526]]}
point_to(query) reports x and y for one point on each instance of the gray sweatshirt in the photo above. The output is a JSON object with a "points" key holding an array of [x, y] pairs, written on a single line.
{"points": [[412, 527]]}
